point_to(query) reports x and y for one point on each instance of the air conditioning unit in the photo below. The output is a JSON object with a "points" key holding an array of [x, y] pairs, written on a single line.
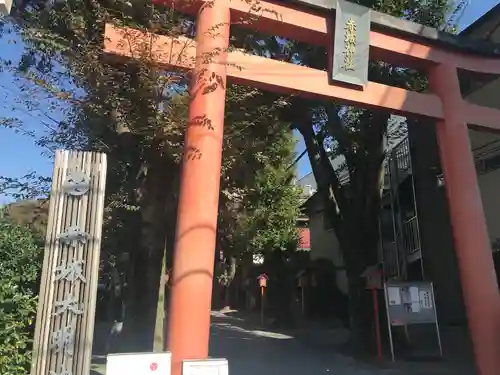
{"points": [[5, 6], [308, 190]]}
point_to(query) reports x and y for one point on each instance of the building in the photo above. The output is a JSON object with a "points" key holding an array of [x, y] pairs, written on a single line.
{"points": [[323, 243], [419, 208], [416, 237]]}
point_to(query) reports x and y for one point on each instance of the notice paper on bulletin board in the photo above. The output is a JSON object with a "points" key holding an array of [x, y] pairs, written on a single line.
{"points": [[394, 296], [205, 367]]}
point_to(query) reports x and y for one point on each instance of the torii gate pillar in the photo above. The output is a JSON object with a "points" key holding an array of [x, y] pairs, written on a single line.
{"points": [[472, 247], [189, 318]]}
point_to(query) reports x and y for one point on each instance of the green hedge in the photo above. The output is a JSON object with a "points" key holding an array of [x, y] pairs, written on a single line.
{"points": [[21, 253]]}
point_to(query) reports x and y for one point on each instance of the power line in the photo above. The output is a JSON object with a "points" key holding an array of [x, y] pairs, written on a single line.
{"points": [[297, 159]]}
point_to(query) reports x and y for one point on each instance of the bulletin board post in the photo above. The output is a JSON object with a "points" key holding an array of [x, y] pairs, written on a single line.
{"points": [[410, 303]]}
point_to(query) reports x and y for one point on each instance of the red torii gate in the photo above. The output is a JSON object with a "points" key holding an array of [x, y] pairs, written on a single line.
{"points": [[416, 46]]}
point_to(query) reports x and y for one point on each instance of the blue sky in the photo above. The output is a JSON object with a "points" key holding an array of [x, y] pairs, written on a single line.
{"points": [[18, 153]]}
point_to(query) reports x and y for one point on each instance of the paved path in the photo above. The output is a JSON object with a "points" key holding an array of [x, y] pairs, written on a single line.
{"points": [[251, 351]]}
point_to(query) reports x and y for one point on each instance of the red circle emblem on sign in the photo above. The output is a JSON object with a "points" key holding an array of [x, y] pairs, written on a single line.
{"points": [[153, 366]]}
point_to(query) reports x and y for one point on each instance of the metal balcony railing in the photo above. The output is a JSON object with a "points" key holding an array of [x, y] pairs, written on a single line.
{"points": [[411, 236], [399, 157], [407, 243], [391, 259], [402, 155], [406, 238]]}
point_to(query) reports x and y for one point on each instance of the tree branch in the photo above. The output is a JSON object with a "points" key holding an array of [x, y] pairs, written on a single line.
{"points": [[326, 178], [336, 129]]}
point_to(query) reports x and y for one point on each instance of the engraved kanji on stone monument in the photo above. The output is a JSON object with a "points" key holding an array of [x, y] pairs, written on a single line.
{"points": [[76, 184], [71, 271], [73, 236], [63, 371], [63, 340], [69, 304], [64, 328]]}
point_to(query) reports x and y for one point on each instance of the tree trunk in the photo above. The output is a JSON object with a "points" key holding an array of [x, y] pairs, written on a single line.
{"points": [[361, 316], [160, 326], [351, 209], [146, 261], [230, 277], [359, 251], [144, 284], [280, 289]]}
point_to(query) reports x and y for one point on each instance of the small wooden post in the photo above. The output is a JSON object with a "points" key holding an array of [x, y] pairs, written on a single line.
{"points": [[302, 283], [263, 285], [302, 298], [377, 323], [373, 276]]}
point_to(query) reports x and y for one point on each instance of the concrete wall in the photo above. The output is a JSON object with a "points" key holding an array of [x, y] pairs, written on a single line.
{"points": [[489, 184], [486, 95], [486, 144]]}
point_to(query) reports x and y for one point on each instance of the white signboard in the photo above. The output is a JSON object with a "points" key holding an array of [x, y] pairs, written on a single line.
{"points": [[139, 364], [205, 367]]}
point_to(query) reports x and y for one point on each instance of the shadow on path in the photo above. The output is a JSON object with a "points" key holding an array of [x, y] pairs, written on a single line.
{"points": [[251, 350]]}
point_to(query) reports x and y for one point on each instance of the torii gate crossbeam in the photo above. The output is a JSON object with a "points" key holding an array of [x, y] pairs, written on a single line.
{"points": [[189, 318]]}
